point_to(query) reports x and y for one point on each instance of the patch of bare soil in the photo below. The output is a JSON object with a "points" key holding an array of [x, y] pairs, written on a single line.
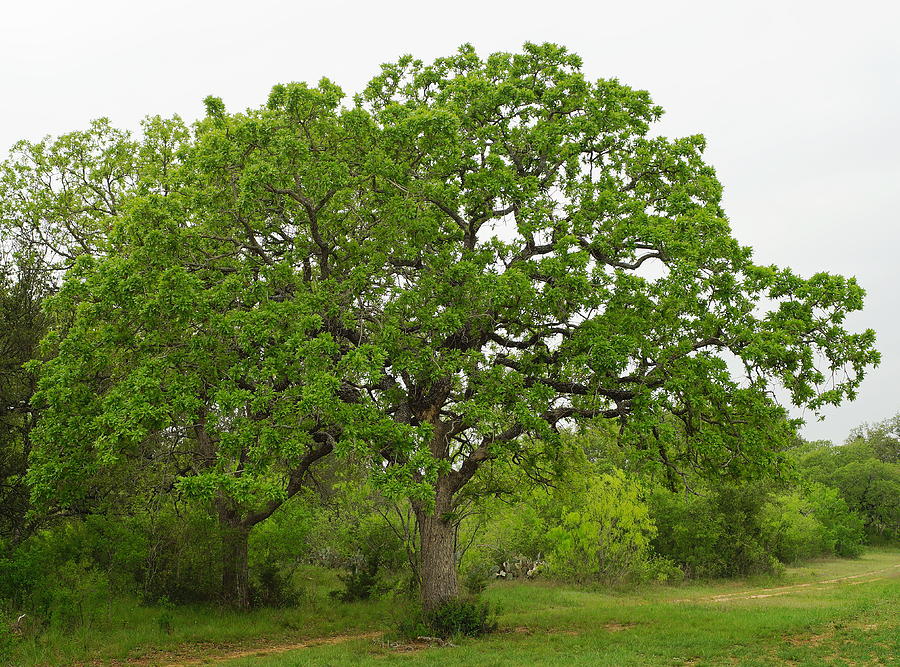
{"points": [[852, 579], [612, 626], [618, 627], [210, 654], [809, 640], [417, 644], [525, 630]]}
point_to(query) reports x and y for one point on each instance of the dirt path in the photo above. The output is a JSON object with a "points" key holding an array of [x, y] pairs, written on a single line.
{"points": [[861, 578], [190, 659]]}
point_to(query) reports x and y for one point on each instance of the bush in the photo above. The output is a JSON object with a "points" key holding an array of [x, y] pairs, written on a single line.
{"points": [[809, 522], [166, 617], [376, 547], [476, 577], [660, 570], [183, 562], [168, 555], [790, 530], [513, 532], [7, 637], [75, 596], [277, 548], [716, 535], [738, 530], [359, 582], [467, 617], [866, 474], [607, 537], [844, 530], [272, 587]]}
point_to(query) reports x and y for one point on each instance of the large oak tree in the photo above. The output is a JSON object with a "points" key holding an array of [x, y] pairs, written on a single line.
{"points": [[476, 254], [546, 259]]}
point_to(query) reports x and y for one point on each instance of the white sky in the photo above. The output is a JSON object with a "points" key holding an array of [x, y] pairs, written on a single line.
{"points": [[800, 101]]}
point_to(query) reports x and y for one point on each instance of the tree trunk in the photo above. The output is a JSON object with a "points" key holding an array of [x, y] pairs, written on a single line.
{"points": [[235, 572], [437, 533]]}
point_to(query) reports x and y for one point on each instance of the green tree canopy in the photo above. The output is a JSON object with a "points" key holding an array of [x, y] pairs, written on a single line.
{"points": [[478, 252], [546, 258]]}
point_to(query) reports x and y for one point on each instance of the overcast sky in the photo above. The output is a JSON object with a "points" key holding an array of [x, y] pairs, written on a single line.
{"points": [[799, 101]]}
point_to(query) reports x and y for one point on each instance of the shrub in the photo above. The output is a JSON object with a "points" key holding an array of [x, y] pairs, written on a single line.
{"points": [[476, 577], [660, 570], [514, 532], [811, 521], [375, 547], [790, 530], [74, 596], [184, 558], [844, 529], [165, 618], [468, 617], [7, 637], [608, 537], [715, 535], [866, 474], [359, 582], [270, 586]]}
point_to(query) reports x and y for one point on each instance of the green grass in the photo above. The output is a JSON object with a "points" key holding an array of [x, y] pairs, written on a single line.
{"points": [[124, 629], [854, 621]]}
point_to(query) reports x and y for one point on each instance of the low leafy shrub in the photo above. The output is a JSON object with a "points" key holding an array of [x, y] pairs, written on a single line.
{"points": [[844, 529], [790, 530], [184, 559], [469, 617], [719, 534], [514, 532], [476, 578], [7, 636], [659, 570], [809, 522], [466, 617], [607, 537], [745, 529], [166, 618], [75, 596], [271, 587], [374, 548], [359, 582]]}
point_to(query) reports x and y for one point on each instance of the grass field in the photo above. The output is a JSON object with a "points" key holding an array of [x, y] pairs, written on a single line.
{"points": [[840, 612]]}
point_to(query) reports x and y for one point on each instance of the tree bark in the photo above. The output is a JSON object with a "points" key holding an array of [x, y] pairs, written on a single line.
{"points": [[235, 570], [437, 534]]}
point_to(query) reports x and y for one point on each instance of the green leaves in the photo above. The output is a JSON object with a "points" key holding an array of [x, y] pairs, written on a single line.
{"points": [[479, 250], [608, 536], [560, 263]]}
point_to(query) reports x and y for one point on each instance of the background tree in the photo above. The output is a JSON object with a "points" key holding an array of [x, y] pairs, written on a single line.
{"points": [[864, 474], [21, 326], [202, 337], [58, 195], [883, 438]]}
